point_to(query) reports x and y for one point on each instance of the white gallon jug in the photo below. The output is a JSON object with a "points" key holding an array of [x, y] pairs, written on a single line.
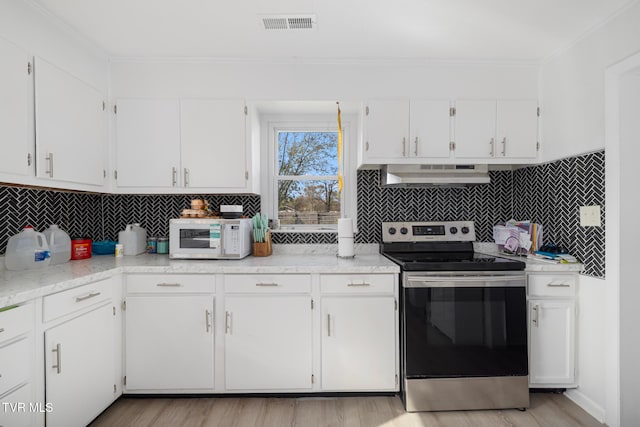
{"points": [[27, 250], [59, 244], [134, 239]]}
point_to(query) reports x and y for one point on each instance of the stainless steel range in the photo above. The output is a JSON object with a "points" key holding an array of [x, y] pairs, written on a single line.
{"points": [[463, 319]]}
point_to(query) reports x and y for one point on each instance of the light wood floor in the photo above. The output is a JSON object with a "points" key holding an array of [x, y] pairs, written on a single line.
{"points": [[547, 410]]}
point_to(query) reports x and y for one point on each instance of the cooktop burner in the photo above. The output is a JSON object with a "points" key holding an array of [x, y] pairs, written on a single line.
{"points": [[444, 246]]}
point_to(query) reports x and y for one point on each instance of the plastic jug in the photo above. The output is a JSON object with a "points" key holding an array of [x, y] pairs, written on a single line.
{"points": [[59, 244], [27, 250], [134, 239]]}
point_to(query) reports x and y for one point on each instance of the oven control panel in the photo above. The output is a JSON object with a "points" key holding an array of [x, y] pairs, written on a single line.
{"points": [[445, 231]]}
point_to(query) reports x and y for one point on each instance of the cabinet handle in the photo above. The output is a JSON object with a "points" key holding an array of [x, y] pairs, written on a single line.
{"points": [[504, 146], [50, 159], [169, 285], [492, 142], [227, 322], [404, 147], [207, 319], [186, 177], [86, 297], [58, 352], [536, 315], [328, 325], [416, 150], [174, 176], [266, 284], [359, 284], [559, 285]]}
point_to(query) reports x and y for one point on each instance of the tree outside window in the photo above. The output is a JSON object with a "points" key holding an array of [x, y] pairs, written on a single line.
{"points": [[308, 177]]}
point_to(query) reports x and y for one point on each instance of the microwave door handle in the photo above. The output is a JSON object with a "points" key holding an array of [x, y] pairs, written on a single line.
{"points": [[222, 244]]}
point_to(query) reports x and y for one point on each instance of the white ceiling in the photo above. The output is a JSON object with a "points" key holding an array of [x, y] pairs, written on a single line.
{"points": [[511, 30]]}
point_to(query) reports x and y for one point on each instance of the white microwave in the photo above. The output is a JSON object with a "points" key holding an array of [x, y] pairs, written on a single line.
{"points": [[210, 238]]}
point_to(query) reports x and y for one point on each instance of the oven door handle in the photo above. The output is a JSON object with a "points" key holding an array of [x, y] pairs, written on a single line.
{"points": [[465, 281]]}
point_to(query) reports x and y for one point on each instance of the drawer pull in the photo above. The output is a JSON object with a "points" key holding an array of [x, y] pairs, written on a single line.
{"points": [[227, 322], [266, 284], [559, 285], [58, 352], [359, 284], [86, 297], [207, 319], [169, 285]]}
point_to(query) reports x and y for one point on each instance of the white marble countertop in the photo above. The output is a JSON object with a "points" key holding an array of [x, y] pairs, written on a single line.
{"points": [[20, 286], [533, 265]]}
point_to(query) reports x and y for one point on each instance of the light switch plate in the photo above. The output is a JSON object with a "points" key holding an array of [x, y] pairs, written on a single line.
{"points": [[590, 216]]}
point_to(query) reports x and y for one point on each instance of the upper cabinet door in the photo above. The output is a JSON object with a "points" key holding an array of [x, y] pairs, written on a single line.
{"points": [[430, 128], [16, 111], [475, 129], [148, 143], [213, 143], [517, 135], [70, 127], [387, 130]]}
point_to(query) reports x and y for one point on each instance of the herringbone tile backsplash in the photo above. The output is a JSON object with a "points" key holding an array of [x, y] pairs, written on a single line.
{"points": [[549, 194]]}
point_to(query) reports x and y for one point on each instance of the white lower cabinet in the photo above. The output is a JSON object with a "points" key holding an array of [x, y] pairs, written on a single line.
{"points": [[552, 330], [80, 367], [18, 407], [268, 342], [358, 343], [169, 342]]}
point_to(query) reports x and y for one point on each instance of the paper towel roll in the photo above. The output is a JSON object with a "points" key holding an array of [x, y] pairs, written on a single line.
{"points": [[345, 227], [345, 247]]}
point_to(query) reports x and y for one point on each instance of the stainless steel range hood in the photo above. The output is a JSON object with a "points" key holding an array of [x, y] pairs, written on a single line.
{"points": [[433, 175]]}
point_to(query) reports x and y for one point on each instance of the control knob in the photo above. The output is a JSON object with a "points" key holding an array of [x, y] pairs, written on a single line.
{"points": [[404, 230], [453, 230], [465, 230], [392, 230]]}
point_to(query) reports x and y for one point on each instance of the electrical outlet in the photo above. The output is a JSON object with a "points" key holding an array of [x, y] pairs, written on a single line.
{"points": [[590, 216]]}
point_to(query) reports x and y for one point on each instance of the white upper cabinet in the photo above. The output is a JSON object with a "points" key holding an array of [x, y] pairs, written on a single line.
{"points": [[487, 130], [183, 145], [147, 143], [403, 130], [213, 143], [387, 130], [70, 127], [430, 128], [16, 111]]}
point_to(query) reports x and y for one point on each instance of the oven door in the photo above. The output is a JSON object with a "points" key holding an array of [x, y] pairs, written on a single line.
{"points": [[464, 325]]}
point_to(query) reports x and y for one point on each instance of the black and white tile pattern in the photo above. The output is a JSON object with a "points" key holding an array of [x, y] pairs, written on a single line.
{"points": [[550, 194], [486, 204]]}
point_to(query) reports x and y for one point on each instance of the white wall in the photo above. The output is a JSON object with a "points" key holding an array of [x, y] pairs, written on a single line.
{"points": [[264, 80], [572, 90], [26, 25], [572, 96]]}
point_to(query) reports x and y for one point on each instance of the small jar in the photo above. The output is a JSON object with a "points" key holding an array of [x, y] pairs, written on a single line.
{"points": [[152, 244], [163, 245]]}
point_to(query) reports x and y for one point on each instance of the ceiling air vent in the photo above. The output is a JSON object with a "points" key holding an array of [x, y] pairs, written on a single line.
{"points": [[288, 22]]}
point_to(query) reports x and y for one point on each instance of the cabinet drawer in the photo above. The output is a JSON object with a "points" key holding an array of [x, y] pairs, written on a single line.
{"points": [[16, 321], [267, 283], [75, 299], [552, 285], [171, 283], [356, 283], [14, 364]]}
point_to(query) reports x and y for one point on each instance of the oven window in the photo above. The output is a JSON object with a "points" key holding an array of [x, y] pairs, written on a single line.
{"points": [[465, 332], [194, 238]]}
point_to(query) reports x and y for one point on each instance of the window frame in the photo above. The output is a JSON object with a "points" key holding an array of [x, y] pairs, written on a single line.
{"points": [[271, 126]]}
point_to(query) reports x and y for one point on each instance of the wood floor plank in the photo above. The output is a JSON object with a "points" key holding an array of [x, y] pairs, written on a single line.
{"points": [[547, 410]]}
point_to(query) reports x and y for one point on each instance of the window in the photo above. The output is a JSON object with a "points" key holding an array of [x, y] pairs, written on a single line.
{"points": [[307, 177], [300, 172]]}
